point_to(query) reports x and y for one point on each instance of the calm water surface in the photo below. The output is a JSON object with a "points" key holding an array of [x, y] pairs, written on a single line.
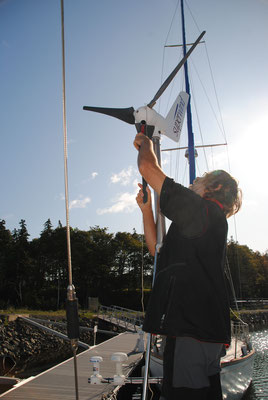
{"points": [[259, 388]]}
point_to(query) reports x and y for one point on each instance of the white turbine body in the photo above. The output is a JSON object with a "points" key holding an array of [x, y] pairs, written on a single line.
{"points": [[151, 117], [171, 125]]}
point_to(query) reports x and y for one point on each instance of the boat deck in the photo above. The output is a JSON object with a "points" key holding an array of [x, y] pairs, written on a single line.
{"points": [[57, 383]]}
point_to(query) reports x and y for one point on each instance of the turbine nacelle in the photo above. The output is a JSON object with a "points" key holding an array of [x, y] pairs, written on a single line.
{"points": [[152, 119], [171, 125]]}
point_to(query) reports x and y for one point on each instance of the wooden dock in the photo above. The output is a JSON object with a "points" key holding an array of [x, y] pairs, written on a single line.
{"points": [[57, 383]]}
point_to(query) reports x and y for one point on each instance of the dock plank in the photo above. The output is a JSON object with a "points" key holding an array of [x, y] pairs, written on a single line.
{"points": [[57, 383]]}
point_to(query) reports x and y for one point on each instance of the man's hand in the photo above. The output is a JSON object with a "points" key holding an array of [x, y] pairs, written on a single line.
{"points": [[139, 140], [147, 162], [148, 218], [144, 206]]}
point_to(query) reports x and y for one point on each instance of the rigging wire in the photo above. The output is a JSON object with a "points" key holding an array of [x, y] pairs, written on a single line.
{"points": [[198, 123], [184, 174], [196, 24], [229, 277], [215, 91], [212, 158], [65, 149], [177, 166], [170, 163], [197, 167], [220, 114], [72, 305], [163, 57], [221, 127]]}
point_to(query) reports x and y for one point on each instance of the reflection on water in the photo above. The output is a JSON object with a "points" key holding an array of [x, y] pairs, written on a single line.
{"points": [[259, 388]]}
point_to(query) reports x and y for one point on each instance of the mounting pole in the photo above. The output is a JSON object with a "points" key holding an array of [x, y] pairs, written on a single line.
{"points": [[160, 233]]}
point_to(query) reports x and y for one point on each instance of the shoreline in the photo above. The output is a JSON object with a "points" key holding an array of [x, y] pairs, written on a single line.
{"points": [[27, 351]]}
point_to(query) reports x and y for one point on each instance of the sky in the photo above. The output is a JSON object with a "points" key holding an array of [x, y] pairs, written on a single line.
{"points": [[115, 57]]}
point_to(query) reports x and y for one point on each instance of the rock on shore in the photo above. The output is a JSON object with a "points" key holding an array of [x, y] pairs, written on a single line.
{"points": [[255, 318], [26, 350]]}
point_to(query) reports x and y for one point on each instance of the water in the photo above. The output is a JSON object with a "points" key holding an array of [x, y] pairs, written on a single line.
{"points": [[259, 387]]}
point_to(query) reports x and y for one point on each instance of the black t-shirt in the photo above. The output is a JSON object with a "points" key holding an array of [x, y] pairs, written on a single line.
{"points": [[189, 297]]}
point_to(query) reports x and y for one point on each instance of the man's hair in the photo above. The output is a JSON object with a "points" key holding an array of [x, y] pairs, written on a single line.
{"points": [[224, 188]]}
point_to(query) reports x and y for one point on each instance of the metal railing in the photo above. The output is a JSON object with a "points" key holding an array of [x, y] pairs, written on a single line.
{"points": [[251, 304], [240, 333], [123, 317], [52, 331]]}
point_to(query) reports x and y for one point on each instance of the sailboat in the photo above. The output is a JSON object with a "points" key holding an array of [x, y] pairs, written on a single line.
{"points": [[237, 364]]}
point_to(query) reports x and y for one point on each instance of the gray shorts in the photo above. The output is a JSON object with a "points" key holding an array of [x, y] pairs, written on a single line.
{"points": [[191, 363]]}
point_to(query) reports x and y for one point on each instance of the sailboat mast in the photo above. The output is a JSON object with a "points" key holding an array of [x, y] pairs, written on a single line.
{"points": [[191, 149]]}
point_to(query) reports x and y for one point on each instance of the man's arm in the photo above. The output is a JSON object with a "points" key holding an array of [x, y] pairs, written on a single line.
{"points": [[147, 162], [148, 219]]}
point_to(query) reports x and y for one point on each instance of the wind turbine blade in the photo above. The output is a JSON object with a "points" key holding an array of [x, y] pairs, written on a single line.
{"points": [[174, 72], [124, 114]]}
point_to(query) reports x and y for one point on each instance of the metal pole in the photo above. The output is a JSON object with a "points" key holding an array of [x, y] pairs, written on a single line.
{"points": [[160, 230], [192, 172]]}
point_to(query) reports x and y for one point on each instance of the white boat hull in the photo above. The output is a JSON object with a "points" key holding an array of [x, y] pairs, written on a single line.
{"points": [[236, 374]]}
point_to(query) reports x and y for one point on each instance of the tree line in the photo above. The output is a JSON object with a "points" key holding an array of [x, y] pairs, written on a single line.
{"points": [[34, 273]]}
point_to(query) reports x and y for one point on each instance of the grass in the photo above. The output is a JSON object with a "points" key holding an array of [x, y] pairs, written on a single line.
{"points": [[48, 313]]}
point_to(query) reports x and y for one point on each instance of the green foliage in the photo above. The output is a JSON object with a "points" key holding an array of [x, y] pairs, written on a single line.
{"points": [[34, 274], [249, 271]]}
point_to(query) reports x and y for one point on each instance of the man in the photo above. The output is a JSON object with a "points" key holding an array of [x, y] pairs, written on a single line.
{"points": [[189, 303]]}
